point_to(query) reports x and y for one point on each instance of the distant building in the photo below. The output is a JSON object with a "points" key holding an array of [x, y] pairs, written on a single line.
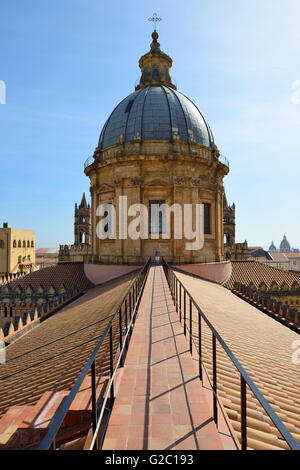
{"points": [[82, 235], [17, 250], [237, 250], [285, 247], [272, 247]]}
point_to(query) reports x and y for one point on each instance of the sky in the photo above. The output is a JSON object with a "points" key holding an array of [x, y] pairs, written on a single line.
{"points": [[67, 64]]}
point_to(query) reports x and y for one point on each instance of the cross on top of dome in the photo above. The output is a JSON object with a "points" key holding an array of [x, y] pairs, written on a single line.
{"points": [[155, 19]]}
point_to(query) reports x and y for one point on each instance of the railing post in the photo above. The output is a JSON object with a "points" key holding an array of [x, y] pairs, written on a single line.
{"points": [[94, 398], [215, 403], [191, 326], [121, 337], [130, 307], [200, 345], [126, 322], [184, 312], [243, 414], [176, 294], [180, 312], [111, 362]]}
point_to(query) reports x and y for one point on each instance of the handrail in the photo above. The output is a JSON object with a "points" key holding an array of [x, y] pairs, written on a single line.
{"points": [[131, 300], [176, 285], [88, 161], [224, 160]]}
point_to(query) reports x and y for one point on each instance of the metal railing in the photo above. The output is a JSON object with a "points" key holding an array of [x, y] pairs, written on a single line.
{"points": [[124, 325], [224, 160], [88, 161], [183, 302]]}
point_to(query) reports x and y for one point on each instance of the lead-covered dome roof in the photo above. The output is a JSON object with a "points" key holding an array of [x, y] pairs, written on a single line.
{"points": [[155, 113], [156, 110]]}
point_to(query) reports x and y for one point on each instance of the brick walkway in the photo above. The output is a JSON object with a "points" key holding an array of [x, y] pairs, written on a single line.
{"points": [[160, 402]]}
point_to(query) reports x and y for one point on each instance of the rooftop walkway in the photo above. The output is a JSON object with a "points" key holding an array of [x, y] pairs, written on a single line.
{"points": [[160, 402]]}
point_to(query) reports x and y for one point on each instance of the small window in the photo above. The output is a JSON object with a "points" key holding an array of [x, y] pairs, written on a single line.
{"points": [[129, 106], [28, 244], [146, 74], [32, 244], [157, 216], [24, 244], [165, 74], [155, 73], [19, 244], [14, 244], [207, 216], [2, 244]]}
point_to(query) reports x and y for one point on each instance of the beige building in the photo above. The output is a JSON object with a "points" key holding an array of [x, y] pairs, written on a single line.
{"points": [[17, 250], [156, 148]]}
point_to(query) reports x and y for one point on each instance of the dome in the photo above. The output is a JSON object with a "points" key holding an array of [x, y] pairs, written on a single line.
{"points": [[272, 247], [155, 113], [285, 247]]}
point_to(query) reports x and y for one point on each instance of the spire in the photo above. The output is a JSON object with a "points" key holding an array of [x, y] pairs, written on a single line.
{"points": [[83, 203], [155, 66]]}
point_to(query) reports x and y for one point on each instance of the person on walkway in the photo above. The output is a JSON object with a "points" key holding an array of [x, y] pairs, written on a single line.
{"points": [[157, 256], [228, 255]]}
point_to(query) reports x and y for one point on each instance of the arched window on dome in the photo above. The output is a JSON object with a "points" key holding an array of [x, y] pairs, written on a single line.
{"points": [[155, 73]]}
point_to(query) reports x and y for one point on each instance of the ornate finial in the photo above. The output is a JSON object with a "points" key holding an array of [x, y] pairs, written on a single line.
{"points": [[155, 19]]}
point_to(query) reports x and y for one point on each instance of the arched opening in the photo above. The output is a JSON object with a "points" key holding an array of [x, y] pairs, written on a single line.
{"points": [[19, 244], [32, 244], [82, 237], [14, 244], [24, 244], [28, 244], [155, 73]]}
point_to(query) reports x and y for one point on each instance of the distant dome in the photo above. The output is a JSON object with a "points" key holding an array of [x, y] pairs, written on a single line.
{"points": [[155, 113], [272, 247], [285, 247]]}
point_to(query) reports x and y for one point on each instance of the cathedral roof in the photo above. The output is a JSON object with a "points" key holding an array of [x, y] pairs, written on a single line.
{"points": [[156, 110]]}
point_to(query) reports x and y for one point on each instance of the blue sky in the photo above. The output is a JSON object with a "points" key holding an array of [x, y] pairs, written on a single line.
{"points": [[66, 65]]}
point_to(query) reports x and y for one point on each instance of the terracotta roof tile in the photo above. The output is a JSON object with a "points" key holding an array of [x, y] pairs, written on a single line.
{"points": [[264, 348], [247, 272], [69, 328], [69, 274]]}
